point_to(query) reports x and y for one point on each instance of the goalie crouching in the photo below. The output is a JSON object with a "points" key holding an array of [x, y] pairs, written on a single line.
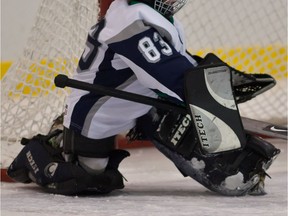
{"points": [[139, 47], [208, 144]]}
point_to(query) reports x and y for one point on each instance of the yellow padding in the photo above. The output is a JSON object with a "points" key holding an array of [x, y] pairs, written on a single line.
{"points": [[270, 59]]}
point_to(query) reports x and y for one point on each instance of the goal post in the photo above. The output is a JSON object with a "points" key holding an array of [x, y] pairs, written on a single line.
{"points": [[250, 35]]}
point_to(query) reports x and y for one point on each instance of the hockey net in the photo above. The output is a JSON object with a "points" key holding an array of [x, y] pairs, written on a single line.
{"points": [[250, 35]]}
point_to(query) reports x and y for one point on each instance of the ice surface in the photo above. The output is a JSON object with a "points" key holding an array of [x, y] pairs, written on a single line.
{"points": [[154, 188]]}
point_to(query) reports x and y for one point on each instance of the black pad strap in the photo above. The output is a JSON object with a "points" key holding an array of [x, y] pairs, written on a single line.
{"points": [[75, 143]]}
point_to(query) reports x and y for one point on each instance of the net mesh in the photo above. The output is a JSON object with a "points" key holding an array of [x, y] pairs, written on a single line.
{"points": [[30, 101], [250, 35]]}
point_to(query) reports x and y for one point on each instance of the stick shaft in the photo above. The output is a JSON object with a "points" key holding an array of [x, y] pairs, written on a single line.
{"points": [[63, 81]]}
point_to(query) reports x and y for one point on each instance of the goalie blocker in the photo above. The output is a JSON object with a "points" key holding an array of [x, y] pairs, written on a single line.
{"points": [[209, 144]]}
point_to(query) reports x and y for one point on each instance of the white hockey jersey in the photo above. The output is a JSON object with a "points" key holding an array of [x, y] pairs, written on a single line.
{"points": [[135, 49]]}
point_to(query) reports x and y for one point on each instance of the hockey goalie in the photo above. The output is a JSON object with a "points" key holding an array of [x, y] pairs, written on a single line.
{"points": [[139, 47]]}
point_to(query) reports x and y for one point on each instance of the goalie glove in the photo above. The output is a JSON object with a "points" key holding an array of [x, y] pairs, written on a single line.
{"points": [[42, 163], [245, 86]]}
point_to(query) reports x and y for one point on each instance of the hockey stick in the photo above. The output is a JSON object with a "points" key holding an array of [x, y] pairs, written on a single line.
{"points": [[266, 129], [62, 81], [250, 125]]}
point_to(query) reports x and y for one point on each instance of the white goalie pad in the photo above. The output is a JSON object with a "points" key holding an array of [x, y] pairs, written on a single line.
{"points": [[213, 108]]}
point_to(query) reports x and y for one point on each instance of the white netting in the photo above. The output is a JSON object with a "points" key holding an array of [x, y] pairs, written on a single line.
{"points": [[30, 100], [250, 35]]}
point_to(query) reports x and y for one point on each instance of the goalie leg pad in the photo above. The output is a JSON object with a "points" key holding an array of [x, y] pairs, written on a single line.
{"points": [[232, 173], [43, 164], [174, 130]]}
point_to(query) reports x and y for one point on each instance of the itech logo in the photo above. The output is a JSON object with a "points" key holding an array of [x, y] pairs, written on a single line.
{"points": [[181, 129], [201, 131], [32, 162]]}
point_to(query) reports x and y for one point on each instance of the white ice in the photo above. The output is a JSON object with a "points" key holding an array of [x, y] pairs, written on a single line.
{"points": [[154, 188]]}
